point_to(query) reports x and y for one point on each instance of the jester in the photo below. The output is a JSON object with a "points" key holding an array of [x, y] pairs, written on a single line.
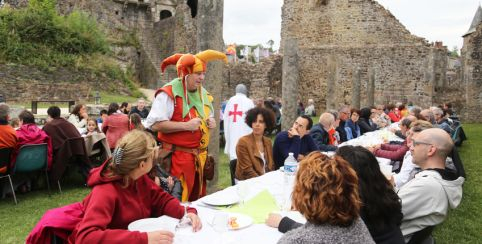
{"points": [[182, 114]]}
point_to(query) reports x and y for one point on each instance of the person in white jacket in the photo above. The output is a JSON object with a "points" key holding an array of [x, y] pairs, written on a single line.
{"points": [[79, 116], [405, 174], [427, 198], [234, 115]]}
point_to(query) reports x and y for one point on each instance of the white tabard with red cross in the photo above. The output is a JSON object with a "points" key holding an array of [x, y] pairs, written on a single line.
{"points": [[234, 125]]}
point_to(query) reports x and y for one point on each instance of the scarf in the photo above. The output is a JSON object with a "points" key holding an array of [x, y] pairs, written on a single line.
{"points": [[196, 99]]}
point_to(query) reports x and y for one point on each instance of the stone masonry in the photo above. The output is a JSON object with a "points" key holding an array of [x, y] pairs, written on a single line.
{"points": [[19, 83], [338, 38], [472, 74], [263, 79]]}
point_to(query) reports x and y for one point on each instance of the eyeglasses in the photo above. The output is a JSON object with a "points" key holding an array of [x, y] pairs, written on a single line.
{"points": [[416, 143]]}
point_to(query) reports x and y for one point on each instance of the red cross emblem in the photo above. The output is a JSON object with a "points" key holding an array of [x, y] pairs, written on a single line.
{"points": [[235, 112]]}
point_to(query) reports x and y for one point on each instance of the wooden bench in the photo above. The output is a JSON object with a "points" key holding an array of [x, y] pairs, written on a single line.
{"points": [[35, 103]]}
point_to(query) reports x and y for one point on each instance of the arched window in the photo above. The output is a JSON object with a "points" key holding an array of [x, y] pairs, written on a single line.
{"points": [[165, 14], [193, 5]]}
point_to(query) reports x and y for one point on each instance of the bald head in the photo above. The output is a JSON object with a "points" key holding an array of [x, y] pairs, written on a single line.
{"points": [[440, 139], [241, 88], [327, 120]]}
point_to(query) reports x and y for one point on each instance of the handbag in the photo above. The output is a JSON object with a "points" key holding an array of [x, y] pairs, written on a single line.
{"points": [[176, 189], [208, 170], [165, 159]]}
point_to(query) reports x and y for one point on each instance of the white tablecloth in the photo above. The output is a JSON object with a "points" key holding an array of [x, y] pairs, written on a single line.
{"points": [[373, 138], [275, 182]]}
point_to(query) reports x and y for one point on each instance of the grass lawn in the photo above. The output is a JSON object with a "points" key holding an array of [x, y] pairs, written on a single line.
{"points": [[463, 225]]}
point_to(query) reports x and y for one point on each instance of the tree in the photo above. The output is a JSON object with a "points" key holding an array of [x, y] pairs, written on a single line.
{"points": [[270, 43], [455, 52]]}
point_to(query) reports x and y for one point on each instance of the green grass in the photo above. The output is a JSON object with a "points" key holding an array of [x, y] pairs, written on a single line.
{"points": [[463, 225]]}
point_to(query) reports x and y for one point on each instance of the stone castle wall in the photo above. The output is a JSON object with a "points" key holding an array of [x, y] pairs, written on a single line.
{"points": [[19, 83], [342, 23], [263, 79], [158, 38], [338, 39], [472, 75]]}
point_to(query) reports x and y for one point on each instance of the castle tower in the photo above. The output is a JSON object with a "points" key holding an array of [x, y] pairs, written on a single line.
{"points": [[471, 54]]}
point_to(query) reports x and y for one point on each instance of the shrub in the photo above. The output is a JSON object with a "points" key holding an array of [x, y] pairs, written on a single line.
{"points": [[37, 35]]}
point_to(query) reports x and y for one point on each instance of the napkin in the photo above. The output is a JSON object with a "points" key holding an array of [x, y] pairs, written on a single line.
{"points": [[257, 207]]}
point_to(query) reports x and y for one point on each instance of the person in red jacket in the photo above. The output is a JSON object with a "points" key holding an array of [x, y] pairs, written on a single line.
{"points": [[115, 125], [393, 113], [30, 133], [122, 192]]}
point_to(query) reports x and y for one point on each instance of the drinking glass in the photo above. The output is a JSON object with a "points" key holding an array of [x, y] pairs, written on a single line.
{"points": [[242, 190], [184, 221], [220, 225]]}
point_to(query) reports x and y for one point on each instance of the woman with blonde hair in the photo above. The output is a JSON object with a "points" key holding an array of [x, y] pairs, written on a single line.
{"points": [[326, 193], [121, 193]]}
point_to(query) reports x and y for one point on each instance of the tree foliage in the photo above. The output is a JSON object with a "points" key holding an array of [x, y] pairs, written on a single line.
{"points": [[455, 52], [37, 35]]}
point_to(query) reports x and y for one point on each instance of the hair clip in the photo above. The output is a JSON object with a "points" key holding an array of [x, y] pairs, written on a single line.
{"points": [[117, 155]]}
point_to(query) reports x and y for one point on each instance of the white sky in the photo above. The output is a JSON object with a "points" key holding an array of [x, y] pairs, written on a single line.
{"points": [[253, 22]]}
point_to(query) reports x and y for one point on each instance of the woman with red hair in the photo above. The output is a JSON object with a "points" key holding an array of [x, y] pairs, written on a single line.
{"points": [[326, 193]]}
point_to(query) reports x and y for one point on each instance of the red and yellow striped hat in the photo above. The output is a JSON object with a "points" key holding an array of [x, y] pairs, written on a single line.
{"points": [[189, 63]]}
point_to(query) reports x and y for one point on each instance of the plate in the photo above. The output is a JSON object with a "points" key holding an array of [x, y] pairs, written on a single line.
{"points": [[218, 199], [154, 224], [242, 220]]}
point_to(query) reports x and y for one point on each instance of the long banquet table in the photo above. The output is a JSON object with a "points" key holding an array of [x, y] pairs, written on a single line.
{"points": [[274, 182], [278, 185]]}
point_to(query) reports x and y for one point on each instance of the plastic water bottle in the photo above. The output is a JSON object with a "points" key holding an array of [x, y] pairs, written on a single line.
{"points": [[291, 165], [290, 168]]}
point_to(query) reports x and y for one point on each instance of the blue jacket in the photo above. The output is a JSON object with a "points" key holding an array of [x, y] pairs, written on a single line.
{"points": [[352, 129], [297, 145], [320, 137]]}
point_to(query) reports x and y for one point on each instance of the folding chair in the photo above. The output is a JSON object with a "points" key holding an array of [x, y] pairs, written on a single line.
{"points": [[33, 157], [4, 167]]}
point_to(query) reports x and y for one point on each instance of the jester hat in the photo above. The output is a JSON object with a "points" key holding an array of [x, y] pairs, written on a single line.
{"points": [[188, 63]]}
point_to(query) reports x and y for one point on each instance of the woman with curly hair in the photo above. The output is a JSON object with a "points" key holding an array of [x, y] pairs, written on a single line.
{"points": [[326, 193], [381, 207], [255, 151]]}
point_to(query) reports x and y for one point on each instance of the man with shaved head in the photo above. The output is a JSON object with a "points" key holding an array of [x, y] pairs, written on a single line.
{"points": [[323, 133], [427, 198]]}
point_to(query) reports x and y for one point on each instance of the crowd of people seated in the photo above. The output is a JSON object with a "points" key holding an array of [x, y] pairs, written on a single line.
{"points": [[61, 134], [384, 210], [343, 197]]}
